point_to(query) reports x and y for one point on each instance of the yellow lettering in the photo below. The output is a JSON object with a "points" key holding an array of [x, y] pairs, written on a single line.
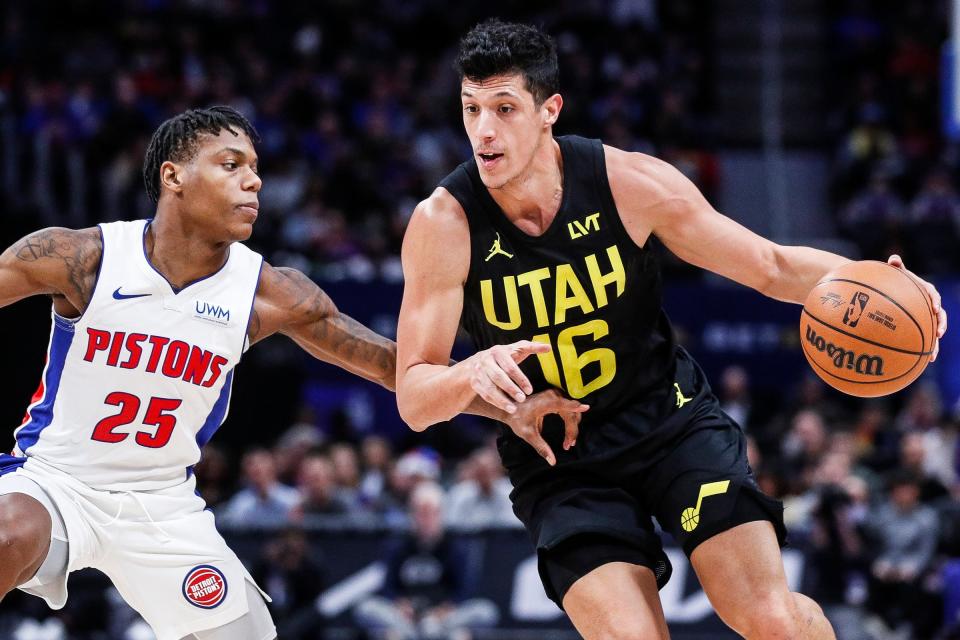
{"points": [[548, 362], [573, 363], [513, 304], [573, 234], [593, 220], [532, 279], [600, 281], [567, 280]]}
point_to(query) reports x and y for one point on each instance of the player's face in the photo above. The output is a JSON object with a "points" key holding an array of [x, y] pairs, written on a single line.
{"points": [[221, 184], [505, 125]]}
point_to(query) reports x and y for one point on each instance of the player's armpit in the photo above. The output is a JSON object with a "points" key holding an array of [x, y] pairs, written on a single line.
{"points": [[52, 261], [288, 302]]}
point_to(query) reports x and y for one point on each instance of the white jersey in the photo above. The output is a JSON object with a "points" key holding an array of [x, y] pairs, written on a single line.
{"points": [[136, 385]]}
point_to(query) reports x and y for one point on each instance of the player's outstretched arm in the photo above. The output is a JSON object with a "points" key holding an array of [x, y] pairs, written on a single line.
{"points": [[654, 198], [54, 261], [288, 302]]}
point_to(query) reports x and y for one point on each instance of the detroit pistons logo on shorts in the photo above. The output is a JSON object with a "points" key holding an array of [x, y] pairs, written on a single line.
{"points": [[205, 587]]}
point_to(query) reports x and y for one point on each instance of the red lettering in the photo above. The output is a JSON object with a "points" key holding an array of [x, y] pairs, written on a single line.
{"points": [[158, 343], [97, 340], [133, 346], [215, 368], [197, 365], [176, 359], [115, 347]]}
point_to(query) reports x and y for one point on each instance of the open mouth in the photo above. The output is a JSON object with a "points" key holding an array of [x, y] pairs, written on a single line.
{"points": [[489, 159]]}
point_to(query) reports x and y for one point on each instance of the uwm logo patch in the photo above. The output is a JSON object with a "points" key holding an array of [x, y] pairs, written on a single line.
{"points": [[211, 312], [205, 587]]}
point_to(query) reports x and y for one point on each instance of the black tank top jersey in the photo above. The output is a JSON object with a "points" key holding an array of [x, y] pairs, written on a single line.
{"points": [[583, 286]]}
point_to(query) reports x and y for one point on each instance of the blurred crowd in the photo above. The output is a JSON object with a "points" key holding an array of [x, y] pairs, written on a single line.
{"points": [[895, 176], [358, 111], [359, 117]]}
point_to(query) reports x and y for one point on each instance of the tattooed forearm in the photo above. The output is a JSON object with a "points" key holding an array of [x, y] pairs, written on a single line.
{"points": [[358, 348]]}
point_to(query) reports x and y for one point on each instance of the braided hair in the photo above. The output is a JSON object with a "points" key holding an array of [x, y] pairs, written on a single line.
{"points": [[177, 139]]}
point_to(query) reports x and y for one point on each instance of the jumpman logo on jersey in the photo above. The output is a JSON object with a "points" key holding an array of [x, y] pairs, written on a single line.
{"points": [[681, 399], [496, 250]]}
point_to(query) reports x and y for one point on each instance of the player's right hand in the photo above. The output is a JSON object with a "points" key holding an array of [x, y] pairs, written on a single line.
{"points": [[527, 422], [496, 378]]}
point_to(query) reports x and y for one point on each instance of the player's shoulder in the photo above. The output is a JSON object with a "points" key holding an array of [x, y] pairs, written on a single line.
{"points": [[440, 211], [642, 174], [437, 239]]}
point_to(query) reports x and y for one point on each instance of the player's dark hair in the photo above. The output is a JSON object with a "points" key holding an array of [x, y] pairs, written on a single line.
{"points": [[494, 48], [176, 139]]}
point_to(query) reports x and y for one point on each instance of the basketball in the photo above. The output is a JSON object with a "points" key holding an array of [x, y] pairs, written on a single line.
{"points": [[868, 329]]}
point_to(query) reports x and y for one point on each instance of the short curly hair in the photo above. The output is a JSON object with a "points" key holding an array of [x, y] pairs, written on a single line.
{"points": [[495, 48], [176, 139]]}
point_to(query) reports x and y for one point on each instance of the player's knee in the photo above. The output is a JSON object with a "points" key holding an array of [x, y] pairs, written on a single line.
{"points": [[630, 632], [772, 617], [24, 530]]}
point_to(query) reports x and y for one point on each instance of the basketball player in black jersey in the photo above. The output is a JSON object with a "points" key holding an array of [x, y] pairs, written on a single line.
{"points": [[540, 246]]}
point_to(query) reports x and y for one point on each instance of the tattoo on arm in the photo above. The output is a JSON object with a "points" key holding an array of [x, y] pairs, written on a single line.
{"points": [[79, 253], [358, 347]]}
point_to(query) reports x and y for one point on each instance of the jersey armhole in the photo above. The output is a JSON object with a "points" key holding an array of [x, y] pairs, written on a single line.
{"points": [[606, 195]]}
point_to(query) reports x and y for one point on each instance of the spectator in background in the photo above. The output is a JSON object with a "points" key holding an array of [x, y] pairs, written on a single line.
{"points": [[904, 535], [319, 496], [346, 473], [428, 581], [934, 224], [293, 574], [294, 445], [735, 394], [377, 460], [415, 466], [481, 500], [874, 218], [214, 477], [913, 459], [804, 444], [264, 502]]}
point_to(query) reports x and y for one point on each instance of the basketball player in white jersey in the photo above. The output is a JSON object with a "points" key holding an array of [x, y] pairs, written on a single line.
{"points": [[149, 319]]}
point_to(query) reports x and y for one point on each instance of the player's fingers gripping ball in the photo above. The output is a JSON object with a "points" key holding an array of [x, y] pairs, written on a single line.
{"points": [[868, 329]]}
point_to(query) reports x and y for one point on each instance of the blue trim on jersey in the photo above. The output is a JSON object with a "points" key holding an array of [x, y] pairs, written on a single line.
{"points": [[217, 415], [42, 414], [9, 464], [253, 300]]}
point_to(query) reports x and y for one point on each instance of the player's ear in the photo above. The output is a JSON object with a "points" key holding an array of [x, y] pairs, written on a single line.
{"points": [[551, 109], [170, 176]]}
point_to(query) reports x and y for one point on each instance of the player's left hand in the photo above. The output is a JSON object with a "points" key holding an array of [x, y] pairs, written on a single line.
{"points": [[897, 261], [527, 421]]}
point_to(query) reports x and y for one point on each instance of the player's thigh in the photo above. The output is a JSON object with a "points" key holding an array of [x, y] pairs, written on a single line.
{"points": [[741, 571], [617, 601], [178, 573], [255, 624]]}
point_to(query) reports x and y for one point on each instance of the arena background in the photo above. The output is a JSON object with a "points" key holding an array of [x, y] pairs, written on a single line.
{"points": [[812, 122]]}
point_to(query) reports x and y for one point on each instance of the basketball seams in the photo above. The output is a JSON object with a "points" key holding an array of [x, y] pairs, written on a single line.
{"points": [[908, 352], [899, 306], [814, 362]]}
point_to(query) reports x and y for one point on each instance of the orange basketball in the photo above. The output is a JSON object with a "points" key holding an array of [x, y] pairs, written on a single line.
{"points": [[868, 329]]}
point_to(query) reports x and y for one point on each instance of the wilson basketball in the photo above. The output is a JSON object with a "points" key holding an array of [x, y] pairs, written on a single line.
{"points": [[868, 329]]}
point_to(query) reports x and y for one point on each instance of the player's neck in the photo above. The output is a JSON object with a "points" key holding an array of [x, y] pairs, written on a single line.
{"points": [[532, 199], [180, 255]]}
